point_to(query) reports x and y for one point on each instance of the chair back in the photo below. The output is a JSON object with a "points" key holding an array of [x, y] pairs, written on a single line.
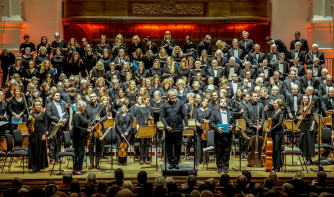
{"points": [[67, 139], [111, 136], [211, 138], [9, 140], [326, 136], [18, 139]]}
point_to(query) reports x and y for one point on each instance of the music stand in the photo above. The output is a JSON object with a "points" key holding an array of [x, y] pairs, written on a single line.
{"points": [[110, 123], [22, 127], [291, 126], [321, 125], [242, 124], [190, 132], [149, 131]]}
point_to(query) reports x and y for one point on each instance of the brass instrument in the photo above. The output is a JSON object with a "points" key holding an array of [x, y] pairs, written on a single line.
{"points": [[243, 133], [304, 113], [105, 134]]}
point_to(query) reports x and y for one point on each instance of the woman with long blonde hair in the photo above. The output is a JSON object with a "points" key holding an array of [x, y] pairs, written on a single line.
{"points": [[72, 47], [134, 46], [117, 45], [163, 55], [156, 69], [46, 68], [131, 91], [168, 43], [170, 68]]}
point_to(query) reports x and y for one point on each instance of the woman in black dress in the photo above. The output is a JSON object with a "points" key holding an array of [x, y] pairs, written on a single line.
{"points": [[184, 70], [75, 66], [177, 54], [219, 56], [59, 63], [140, 72], [131, 91], [149, 45], [16, 108], [156, 69], [149, 59], [205, 60], [163, 55], [118, 45], [12, 84], [29, 73], [170, 69], [72, 47], [276, 132], [123, 125], [102, 46], [84, 47], [168, 43], [97, 72], [203, 113], [121, 59], [17, 68], [80, 131], [307, 129], [46, 69], [112, 72], [142, 119], [42, 55], [44, 43], [117, 104], [134, 46], [59, 43], [38, 159], [138, 56], [189, 45], [89, 60], [195, 71], [26, 58]]}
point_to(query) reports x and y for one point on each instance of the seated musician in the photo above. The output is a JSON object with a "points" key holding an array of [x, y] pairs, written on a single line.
{"points": [[123, 125], [276, 132]]}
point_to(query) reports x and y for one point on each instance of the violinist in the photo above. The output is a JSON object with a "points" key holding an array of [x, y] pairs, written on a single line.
{"points": [[276, 131], [144, 114], [204, 112], [80, 131], [123, 125], [38, 159], [243, 143], [96, 113]]}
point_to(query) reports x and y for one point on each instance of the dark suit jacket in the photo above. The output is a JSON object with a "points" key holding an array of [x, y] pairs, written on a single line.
{"points": [[304, 46], [226, 70], [249, 46], [243, 74], [319, 67], [261, 70], [250, 115], [301, 69], [325, 105], [270, 57], [321, 57], [119, 121], [241, 53], [216, 119], [317, 106], [52, 114], [322, 89], [287, 86], [301, 56], [211, 73], [279, 96], [285, 67], [304, 84], [252, 57], [289, 102], [281, 47]]}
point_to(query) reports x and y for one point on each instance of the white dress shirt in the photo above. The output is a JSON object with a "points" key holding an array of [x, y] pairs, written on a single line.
{"points": [[231, 73], [295, 103], [234, 86], [224, 116], [60, 111], [280, 67], [296, 53], [265, 70], [215, 71], [235, 52]]}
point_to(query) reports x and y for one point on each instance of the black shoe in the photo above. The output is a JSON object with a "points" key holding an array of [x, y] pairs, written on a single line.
{"points": [[176, 166], [220, 170], [277, 170], [225, 171], [105, 157], [90, 167], [171, 166], [97, 167], [32, 171]]}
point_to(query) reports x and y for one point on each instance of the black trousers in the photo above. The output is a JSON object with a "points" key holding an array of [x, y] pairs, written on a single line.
{"points": [[55, 145], [144, 148], [223, 148], [98, 150], [189, 144], [79, 152], [277, 142], [200, 144], [173, 141], [123, 160]]}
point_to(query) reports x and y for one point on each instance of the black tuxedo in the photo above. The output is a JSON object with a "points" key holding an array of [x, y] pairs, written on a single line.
{"points": [[242, 75], [290, 103], [317, 106], [241, 53], [301, 56], [249, 89], [285, 67], [261, 70], [304, 83], [322, 90], [251, 115], [53, 118], [270, 57], [321, 57], [304, 46], [252, 57], [281, 47], [211, 73], [326, 104], [286, 86], [301, 69], [226, 70], [319, 68], [249, 46], [223, 141]]}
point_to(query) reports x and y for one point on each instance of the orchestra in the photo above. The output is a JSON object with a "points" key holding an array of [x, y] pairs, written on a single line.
{"points": [[81, 87]]}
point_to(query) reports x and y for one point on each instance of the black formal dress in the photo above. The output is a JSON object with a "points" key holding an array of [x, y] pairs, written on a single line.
{"points": [[38, 159], [80, 126], [58, 63], [40, 58], [61, 44], [123, 124], [307, 144], [17, 107], [199, 116]]}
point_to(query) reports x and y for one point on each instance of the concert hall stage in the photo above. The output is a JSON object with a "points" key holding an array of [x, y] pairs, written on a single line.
{"points": [[131, 170]]}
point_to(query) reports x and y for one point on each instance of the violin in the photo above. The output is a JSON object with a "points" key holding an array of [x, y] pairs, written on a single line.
{"points": [[31, 127], [98, 130], [268, 144], [122, 149], [205, 127]]}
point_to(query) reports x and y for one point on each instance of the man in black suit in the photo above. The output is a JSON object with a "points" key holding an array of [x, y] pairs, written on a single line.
{"points": [[327, 102], [300, 69], [266, 70], [275, 95], [310, 93], [234, 83], [223, 139], [213, 71], [308, 80], [189, 187], [248, 66], [297, 52], [257, 56], [264, 98], [205, 44], [315, 53], [246, 85], [236, 51], [281, 66], [214, 104], [279, 44], [288, 83], [172, 115], [57, 114], [323, 88], [304, 45], [231, 68], [246, 44], [315, 67], [273, 56], [322, 78]]}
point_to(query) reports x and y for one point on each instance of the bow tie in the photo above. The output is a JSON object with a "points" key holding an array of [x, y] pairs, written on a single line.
{"points": [[265, 68], [215, 69], [235, 49], [296, 51], [223, 112], [257, 53]]}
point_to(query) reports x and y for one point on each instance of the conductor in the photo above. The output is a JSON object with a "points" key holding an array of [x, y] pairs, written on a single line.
{"points": [[173, 112]]}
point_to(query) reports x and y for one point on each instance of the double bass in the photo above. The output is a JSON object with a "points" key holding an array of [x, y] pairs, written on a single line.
{"points": [[254, 158]]}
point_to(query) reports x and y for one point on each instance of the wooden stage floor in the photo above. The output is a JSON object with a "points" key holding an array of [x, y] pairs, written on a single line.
{"points": [[131, 170]]}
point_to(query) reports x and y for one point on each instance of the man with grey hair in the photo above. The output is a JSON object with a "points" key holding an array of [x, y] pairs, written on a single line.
{"points": [[236, 51], [231, 68], [59, 43], [246, 44], [316, 68], [273, 55], [196, 89], [315, 53], [323, 88], [256, 58], [279, 43], [301, 40], [205, 44], [287, 188], [324, 73], [172, 115], [265, 70], [276, 95], [214, 71], [327, 102], [310, 93], [297, 52]]}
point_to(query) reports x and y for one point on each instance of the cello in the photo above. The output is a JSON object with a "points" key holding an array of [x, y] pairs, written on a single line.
{"points": [[254, 158], [268, 159]]}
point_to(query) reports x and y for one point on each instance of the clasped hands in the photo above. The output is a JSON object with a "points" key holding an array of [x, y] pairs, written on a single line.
{"points": [[220, 130]]}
